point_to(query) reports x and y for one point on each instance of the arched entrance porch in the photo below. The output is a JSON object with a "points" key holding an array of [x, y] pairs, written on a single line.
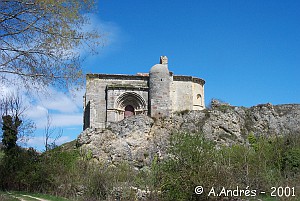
{"points": [[130, 103]]}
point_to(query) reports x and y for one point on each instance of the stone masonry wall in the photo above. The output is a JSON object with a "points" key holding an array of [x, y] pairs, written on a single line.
{"points": [[182, 96], [198, 96], [113, 95], [159, 91], [187, 95], [96, 94]]}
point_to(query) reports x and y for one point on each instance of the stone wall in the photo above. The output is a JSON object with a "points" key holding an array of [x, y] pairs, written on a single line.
{"points": [[187, 94], [119, 98], [182, 96], [158, 94], [159, 91], [96, 87]]}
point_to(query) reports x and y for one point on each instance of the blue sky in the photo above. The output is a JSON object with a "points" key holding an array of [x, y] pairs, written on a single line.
{"points": [[247, 51]]}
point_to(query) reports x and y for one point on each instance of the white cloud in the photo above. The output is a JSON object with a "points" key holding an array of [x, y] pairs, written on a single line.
{"points": [[78, 97], [64, 109], [64, 120], [109, 40], [109, 31], [36, 142], [36, 112], [59, 101], [62, 140]]}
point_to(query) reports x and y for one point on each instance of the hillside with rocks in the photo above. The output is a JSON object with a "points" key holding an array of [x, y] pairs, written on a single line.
{"points": [[139, 139]]}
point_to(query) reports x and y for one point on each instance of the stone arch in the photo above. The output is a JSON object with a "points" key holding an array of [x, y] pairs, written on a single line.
{"points": [[132, 102]]}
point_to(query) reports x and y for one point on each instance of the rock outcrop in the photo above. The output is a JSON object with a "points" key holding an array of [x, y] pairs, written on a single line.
{"points": [[128, 140], [139, 139]]}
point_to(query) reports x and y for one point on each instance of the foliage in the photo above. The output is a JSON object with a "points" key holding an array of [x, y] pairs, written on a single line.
{"points": [[41, 41], [10, 131], [291, 156], [13, 120], [28, 170], [192, 160], [252, 139]]}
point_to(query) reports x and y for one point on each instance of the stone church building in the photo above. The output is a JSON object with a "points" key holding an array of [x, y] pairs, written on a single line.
{"points": [[159, 93]]}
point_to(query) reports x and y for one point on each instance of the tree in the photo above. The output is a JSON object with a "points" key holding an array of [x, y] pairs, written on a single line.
{"points": [[10, 131], [15, 125], [49, 131], [40, 41]]}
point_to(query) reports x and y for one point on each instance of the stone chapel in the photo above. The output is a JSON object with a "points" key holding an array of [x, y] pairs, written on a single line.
{"points": [[159, 93]]}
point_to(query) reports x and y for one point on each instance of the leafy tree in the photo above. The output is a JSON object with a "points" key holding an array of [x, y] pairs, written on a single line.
{"points": [[13, 118], [10, 131], [40, 41]]}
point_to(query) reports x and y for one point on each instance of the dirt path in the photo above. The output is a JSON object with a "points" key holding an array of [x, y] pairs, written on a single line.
{"points": [[24, 199], [40, 199], [21, 199]]}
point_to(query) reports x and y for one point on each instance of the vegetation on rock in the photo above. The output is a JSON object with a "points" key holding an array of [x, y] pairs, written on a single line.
{"points": [[192, 160], [164, 160]]}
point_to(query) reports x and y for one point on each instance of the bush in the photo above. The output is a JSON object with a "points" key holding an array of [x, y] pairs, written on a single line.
{"points": [[192, 161], [291, 160]]}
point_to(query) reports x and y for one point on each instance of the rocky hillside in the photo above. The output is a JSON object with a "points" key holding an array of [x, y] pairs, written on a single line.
{"points": [[139, 139]]}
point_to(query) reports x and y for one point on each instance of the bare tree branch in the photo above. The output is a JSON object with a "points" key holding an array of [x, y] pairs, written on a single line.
{"points": [[40, 40], [48, 134]]}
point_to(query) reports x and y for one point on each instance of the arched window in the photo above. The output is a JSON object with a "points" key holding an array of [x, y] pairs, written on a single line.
{"points": [[129, 111], [199, 99]]}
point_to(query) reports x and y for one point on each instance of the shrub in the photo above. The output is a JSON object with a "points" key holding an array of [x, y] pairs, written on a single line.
{"points": [[192, 161], [291, 160]]}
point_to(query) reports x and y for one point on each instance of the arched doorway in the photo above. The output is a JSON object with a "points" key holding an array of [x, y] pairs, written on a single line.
{"points": [[129, 111], [128, 104]]}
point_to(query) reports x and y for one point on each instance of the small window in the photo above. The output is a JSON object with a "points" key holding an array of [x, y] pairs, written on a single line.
{"points": [[199, 99]]}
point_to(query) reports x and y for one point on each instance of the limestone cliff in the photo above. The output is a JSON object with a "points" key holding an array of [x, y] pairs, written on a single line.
{"points": [[139, 139]]}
